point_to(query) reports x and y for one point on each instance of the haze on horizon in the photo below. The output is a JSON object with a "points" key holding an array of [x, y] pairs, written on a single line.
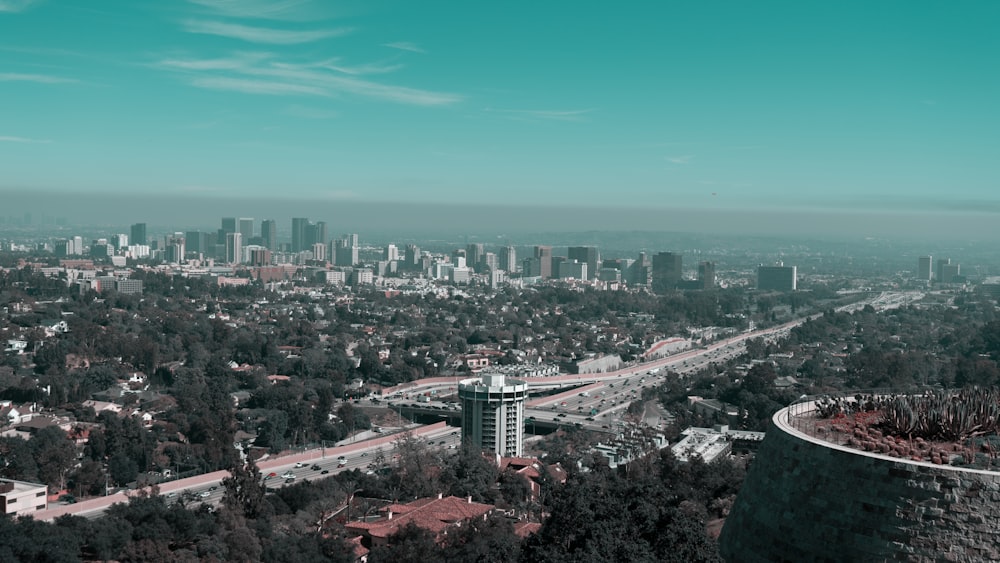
{"points": [[849, 118]]}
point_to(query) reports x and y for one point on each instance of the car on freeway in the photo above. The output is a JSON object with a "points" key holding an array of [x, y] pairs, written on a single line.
{"points": [[204, 494], [287, 475], [315, 467], [324, 472], [213, 488], [290, 480], [364, 454], [271, 475], [299, 465]]}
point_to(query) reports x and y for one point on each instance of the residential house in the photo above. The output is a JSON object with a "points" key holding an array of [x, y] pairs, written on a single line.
{"points": [[436, 515]]}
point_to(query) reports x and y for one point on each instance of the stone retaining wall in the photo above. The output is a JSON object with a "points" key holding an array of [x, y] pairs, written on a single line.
{"points": [[805, 499]]}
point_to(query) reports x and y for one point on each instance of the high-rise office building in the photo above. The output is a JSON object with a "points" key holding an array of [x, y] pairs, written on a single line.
{"points": [[474, 254], [229, 225], [777, 278], [587, 254], [667, 271], [412, 257], [245, 227], [269, 234], [138, 234], [950, 273], [489, 262], [925, 268], [706, 275], [234, 248], [508, 259], [346, 250], [319, 251], [299, 225], [941, 263], [391, 253], [544, 256], [201, 243], [315, 234], [493, 413], [573, 269]]}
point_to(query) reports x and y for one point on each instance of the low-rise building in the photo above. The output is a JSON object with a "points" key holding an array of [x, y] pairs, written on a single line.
{"points": [[20, 498], [436, 515]]}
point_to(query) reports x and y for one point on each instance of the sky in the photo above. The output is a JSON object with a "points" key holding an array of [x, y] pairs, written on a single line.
{"points": [[874, 106]]}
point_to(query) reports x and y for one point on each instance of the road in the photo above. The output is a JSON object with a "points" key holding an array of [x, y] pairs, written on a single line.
{"points": [[357, 455], [598, 406]]}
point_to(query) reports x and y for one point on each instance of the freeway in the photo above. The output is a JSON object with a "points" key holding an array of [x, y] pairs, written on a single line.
{"points": [[607, 395], [595, 401], [208, 488]]}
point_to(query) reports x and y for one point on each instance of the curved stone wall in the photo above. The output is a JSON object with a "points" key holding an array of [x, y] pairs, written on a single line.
{"points": [[805, 499]]}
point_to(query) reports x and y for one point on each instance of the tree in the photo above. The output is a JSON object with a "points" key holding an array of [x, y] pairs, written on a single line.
{"points": [[244, 489], [54, 454], [122, 468], [410, 543]]}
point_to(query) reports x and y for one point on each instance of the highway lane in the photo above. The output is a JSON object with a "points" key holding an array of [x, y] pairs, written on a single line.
{"points": [[601, 387], [196, 485]]}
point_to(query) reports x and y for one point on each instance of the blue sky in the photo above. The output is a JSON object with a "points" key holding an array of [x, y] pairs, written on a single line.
{"points": [[730, 105]]}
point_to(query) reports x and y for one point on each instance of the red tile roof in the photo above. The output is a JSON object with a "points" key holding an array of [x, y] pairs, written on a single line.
{"points": [[432, 514]]}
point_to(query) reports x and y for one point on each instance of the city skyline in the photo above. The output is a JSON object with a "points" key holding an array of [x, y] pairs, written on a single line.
{"points": [[715, 108]]}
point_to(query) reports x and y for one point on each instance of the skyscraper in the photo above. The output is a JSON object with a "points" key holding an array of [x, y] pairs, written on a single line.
{"points": [[229, 225], [346, 250], [245, 227], [941, 263], [269, 232], [544, 256], [587, 254], [412, 256], [667, 270], [234, 248], [138, 234], [925, 268], [508, 259], [474, 254], [493, 413], [777, 278], [299, 225], [706, 275]]}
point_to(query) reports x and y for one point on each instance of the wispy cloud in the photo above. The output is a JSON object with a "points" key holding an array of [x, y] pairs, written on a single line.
{"points": [[261, 9], [40, 78], [683, 159], [16, 5], [405, 46], [309, 112], [266, 87], [371, 68], [261, 75], [10, 139], [555, 115], [261, 34], [236, 61]]}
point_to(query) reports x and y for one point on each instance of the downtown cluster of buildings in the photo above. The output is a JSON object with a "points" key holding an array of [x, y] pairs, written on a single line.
{"points": [[942, 271], [241, 243]]}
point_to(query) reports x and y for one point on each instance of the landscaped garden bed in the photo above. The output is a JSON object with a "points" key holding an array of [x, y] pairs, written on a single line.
{"points": [[958, 428]]}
